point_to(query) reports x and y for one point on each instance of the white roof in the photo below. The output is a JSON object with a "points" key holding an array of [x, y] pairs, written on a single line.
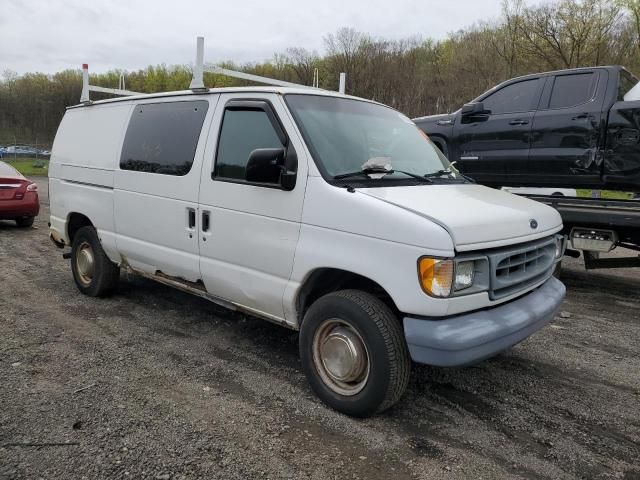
{"points": [[633, 94]]}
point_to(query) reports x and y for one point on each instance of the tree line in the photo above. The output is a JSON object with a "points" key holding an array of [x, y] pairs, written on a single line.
{"points": [[415, 75]]}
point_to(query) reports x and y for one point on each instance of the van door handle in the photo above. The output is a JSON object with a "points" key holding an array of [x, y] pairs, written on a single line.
{"points": [[205, 221], [518, 122], [191, 218]]}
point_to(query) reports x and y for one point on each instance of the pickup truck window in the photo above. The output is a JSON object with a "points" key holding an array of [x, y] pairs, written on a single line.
{"points": [[625, 83], [242, 132], [162, 137], [572, 90], [344, 134], [516, 97]]}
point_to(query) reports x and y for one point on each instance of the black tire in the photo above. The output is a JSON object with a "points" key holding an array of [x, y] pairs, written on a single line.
{"points": [[25, 222], [382, 335], [105, 274]]}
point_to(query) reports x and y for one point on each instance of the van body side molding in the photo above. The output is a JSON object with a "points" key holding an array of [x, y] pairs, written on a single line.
{"points": [[87, 184]]}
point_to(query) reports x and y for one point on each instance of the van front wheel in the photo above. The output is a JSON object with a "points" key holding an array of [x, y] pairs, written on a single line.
{"points": [[95, 275], [354, 353]]}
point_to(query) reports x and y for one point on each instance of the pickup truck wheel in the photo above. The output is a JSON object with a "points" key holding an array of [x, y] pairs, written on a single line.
{"points": [[95, 275], [24, 222], [354, 353]]}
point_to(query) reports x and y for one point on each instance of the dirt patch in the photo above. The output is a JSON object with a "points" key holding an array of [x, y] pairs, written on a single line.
{"points": [[153, 383]]}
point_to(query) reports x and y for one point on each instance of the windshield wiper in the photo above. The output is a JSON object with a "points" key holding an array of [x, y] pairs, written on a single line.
{"points": [[358, 173], [448, 173], [439, 173], [368, 171]]}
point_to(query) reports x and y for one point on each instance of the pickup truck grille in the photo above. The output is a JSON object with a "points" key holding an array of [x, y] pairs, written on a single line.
{"points": [[517, 267]]}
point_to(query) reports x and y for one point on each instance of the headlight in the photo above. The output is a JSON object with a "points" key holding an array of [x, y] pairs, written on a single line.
{"points": [[440, 277], [464, 275]]}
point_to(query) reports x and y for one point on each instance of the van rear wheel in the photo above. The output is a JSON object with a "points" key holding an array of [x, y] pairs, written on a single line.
{"points": [[354, 353], [95, 275]]}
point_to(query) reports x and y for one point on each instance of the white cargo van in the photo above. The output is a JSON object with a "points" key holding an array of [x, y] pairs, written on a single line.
{"points": [[328, 214]]}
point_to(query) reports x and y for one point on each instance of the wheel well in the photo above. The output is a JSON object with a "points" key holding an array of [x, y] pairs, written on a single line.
{"points": [[327, 280], [440, 143], [75, 223]]}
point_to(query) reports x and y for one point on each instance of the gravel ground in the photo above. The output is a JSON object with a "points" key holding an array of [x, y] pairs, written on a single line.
{"points": [[155, 383]]}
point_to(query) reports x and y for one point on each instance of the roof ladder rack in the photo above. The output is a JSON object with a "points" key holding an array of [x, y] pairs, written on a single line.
{"points": [[197, 81], [197, 84], [86, 88]]}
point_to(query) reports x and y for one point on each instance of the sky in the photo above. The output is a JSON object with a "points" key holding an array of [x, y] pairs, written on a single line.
{"points": [[52, 35]]}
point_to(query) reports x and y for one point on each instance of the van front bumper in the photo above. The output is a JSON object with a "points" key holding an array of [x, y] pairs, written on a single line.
{"points": [[470, 338]]}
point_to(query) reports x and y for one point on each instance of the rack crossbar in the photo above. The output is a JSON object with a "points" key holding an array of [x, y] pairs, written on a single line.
{"points": [[252, 78], [114, 91]]}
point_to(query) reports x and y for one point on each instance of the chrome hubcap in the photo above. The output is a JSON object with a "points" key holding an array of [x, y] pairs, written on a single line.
{"points": [[340, 357], [85, 263]]}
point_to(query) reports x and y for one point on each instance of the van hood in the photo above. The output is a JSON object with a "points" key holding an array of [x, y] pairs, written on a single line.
{"points": [[475, 216]]}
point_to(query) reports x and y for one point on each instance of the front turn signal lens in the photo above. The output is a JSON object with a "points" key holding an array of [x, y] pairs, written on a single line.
{"points": [[436, 276]]}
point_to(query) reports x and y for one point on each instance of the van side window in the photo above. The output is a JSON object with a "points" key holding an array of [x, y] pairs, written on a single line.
{"points": [[572, 90], [162, 137], [243, 131]]}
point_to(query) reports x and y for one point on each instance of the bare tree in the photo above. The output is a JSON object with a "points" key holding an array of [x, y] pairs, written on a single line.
{"points": [[303, 63]]}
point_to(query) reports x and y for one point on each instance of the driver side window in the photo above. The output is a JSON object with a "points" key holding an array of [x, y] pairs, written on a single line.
{"points": [[242, 132], [514, 98]]}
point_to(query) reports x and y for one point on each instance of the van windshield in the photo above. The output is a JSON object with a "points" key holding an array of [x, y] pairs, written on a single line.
{"points": [[366, 142]]}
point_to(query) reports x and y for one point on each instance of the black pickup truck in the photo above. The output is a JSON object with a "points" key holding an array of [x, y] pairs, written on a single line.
{"points": [[569, 128]]}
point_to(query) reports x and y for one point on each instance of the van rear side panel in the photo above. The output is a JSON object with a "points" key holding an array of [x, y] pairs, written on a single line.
{"points": [[85, 153], [91, 136]]}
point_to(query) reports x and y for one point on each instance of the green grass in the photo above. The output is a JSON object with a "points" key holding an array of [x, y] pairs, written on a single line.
{"points": [[25, 166], [606, 194]]}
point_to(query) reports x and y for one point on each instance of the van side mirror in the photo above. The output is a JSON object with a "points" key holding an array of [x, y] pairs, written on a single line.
{"points": [[267, 165], [264, 165], [290, 170], [473, 108]]}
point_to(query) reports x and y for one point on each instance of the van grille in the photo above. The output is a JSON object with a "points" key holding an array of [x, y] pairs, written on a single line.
{"points": [[517, 267]]}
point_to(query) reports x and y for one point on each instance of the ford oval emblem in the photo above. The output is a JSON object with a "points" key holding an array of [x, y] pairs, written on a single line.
{"points": [[533, 223]]}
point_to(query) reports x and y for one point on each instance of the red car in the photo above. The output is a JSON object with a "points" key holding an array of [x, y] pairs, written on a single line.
{"points": [[18, 197]]}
